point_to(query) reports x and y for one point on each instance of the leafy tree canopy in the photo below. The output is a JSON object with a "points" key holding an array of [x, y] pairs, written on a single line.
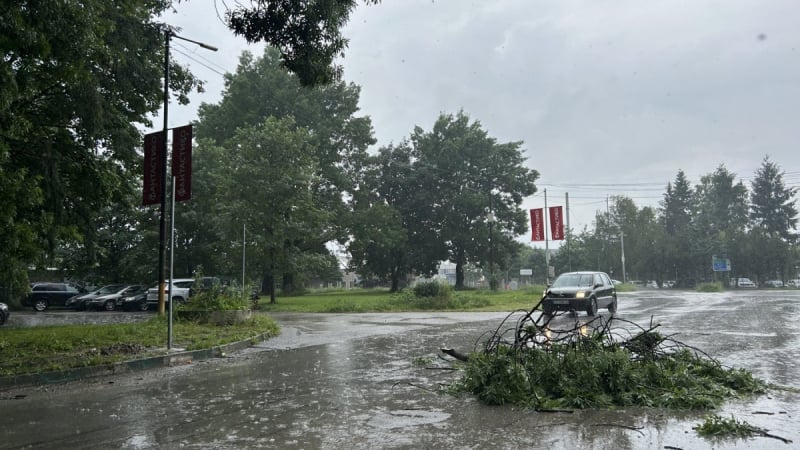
{"points": [[307, 33], [75, 79]]}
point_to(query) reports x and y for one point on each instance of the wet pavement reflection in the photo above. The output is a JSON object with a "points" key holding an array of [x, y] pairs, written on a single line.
{"points": [[371, 381]]}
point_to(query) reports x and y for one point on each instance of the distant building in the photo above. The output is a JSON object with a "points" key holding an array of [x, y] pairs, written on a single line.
{"points": [[447, 271]]}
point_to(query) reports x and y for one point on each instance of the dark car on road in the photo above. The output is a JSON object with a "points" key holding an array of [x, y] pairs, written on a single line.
{"points": [[3, 313], [580, 291], [110, 302], [45, 295], [81, 302]]}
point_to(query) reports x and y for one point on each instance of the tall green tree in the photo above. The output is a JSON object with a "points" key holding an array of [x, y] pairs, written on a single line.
{"points": [[774, 217], [677, 210], [267, 179], [307, 33], [391, 235], [772, 203], [262, 88], [472, 187], [75, 79], [722, 217]]}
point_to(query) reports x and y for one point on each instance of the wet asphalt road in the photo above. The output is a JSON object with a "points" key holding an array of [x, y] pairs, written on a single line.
{"points": [[350, 381]]}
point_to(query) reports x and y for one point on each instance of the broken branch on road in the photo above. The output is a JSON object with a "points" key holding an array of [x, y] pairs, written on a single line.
{"points": [[556, 361]]}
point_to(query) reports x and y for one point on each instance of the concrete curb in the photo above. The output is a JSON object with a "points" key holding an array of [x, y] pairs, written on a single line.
{"points": [[165, 360]]}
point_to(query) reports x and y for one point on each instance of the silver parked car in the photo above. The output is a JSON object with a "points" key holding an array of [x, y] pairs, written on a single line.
{"points": [[110, 301]]}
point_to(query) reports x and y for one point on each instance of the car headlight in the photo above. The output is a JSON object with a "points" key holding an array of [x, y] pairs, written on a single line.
{"points": [[580, 294]]}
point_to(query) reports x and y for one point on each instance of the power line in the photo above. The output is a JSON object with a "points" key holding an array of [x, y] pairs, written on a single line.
{"points": [[199, 62]]}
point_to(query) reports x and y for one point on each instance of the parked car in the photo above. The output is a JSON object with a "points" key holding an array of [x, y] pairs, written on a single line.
{"points": [[580, 291], [668, 284], [181, 291], [45, 295], [110, 302], [81, 301], [745, 283], [793, 283], [773, 283], [652, 284], [3, 313], [137, 302]]}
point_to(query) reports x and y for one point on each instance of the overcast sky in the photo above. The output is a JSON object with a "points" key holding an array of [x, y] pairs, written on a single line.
{"points": [[609, 97]]}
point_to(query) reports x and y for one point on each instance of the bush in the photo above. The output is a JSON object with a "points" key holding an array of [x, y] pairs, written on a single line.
{"points": [[218, 298], [432, 289], [625, 287], [435, 296], [710, 287]]}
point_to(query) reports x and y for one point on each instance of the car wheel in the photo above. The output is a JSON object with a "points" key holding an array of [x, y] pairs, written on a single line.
{"points": [[143, 306], [40, 304], [109, 305], [547, 310], [612, 307], [592, 309], [2, 318]]}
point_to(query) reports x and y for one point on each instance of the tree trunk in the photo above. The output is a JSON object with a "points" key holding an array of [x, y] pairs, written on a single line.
{"points": [[459, 275], [459, 269], [288, 287], [269, 287]]}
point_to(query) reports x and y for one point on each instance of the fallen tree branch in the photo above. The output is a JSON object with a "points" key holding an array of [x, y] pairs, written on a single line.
{"points": [[455, 354]]}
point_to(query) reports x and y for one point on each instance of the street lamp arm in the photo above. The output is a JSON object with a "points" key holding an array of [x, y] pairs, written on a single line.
{"points": [[201, 44]]}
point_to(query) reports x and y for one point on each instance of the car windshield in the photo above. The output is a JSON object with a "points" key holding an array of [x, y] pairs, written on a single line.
{"points": [[110, 289], [574, 280]]}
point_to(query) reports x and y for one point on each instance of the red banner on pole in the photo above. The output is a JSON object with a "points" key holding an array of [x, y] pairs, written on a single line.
{"points": [[537, 224], [556, 223], [153, 148], [182, 162]]}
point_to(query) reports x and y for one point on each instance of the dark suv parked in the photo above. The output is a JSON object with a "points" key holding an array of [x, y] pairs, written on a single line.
{"points": [[580, 291], [45, 295]]}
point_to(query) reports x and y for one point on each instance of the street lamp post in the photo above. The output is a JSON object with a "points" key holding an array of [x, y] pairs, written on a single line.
{"points": [[162, 234], [622, 252], [490, 219]]}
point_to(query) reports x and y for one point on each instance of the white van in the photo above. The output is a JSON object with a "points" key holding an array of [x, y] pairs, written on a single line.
{"points": [[745, 283]]}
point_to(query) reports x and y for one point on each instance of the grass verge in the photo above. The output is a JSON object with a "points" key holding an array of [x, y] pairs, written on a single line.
{"points": [[381, 300], [52, 348]]}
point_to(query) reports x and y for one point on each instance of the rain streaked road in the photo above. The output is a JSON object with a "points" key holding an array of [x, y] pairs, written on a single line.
{"points": [[350, 381]]}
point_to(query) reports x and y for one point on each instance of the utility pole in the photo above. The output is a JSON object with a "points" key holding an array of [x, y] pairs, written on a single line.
{"points": [[490, 219], [546, 242], [569, 231], [162, 234]]}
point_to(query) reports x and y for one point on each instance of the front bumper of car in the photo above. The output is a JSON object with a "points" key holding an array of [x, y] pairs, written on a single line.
{"points": [[73, 303], [566, 301]]}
